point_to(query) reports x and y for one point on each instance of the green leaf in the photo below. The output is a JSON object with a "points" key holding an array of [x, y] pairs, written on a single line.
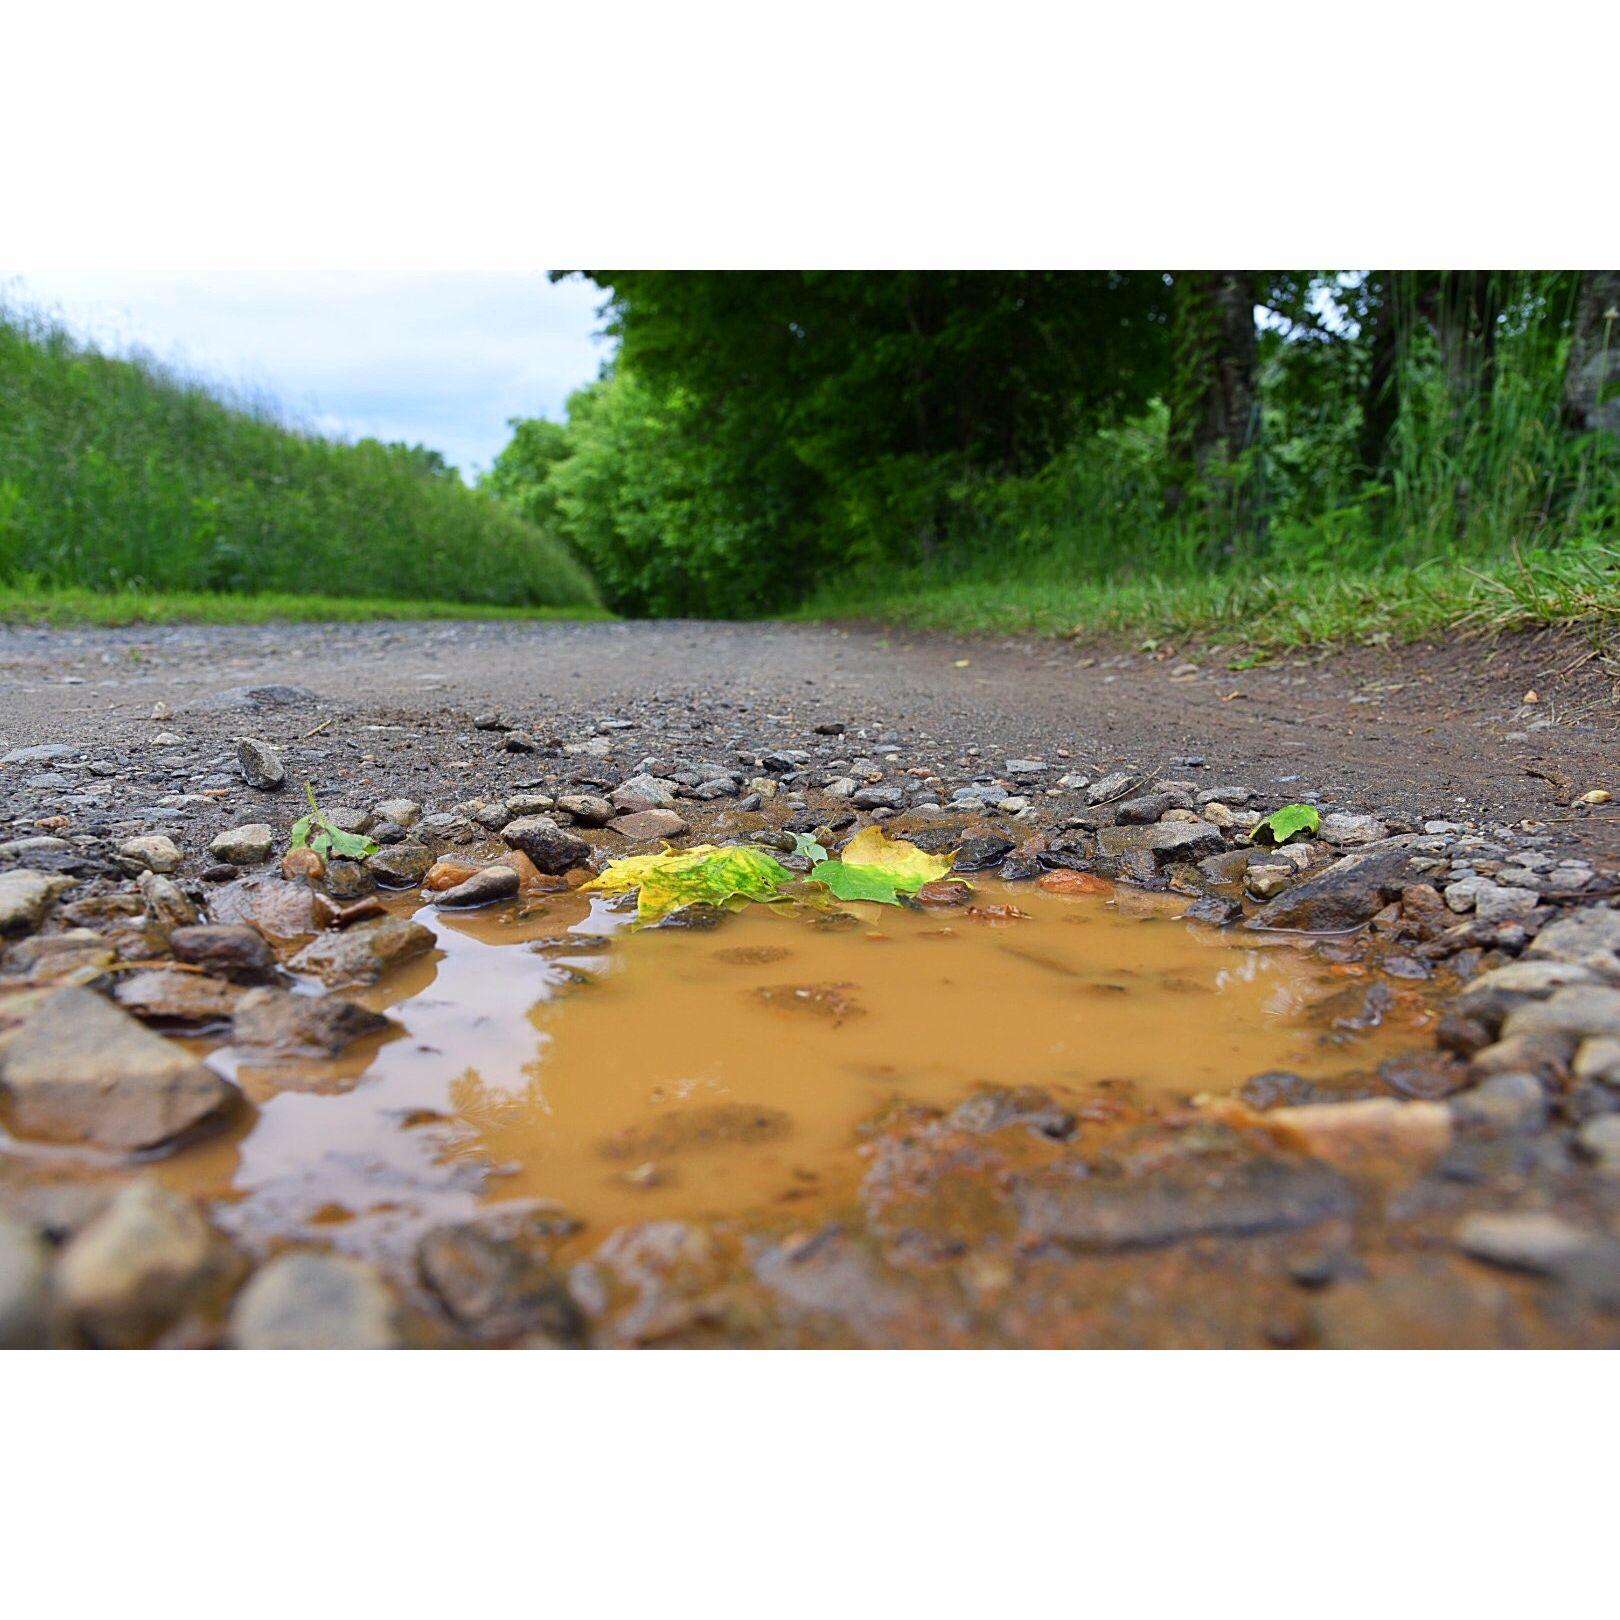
{"points": [[1288, 822], [877, 868], [349, 846], [809, 846], [705, 874], [300, 832]]}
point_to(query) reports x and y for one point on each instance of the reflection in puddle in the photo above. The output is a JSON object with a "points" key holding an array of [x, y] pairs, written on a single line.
{"points": [[695, 1072]]}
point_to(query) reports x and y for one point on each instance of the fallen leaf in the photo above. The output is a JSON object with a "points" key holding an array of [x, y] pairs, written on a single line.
{"points": [[961, 663], [877, 868], [1288, 822], [1597, 796], [705, 874]]}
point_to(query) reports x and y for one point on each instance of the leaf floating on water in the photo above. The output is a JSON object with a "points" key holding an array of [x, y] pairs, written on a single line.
{"points": [[704, 875], [1288, 822], [878, 868]]}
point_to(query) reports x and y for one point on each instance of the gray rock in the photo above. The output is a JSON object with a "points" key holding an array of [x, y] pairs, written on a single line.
{"points": [[496, 1288], [347, 880], [1343, 829], [294, 1025], [483, 888], [550, 847], [25, 1294], [364, 953], [1110, 786], [1164, 841], [1144, 810], [643, 793], [148, 1260], [80, 1070], [25, 897], [1590, 936], [400, 866], [152, 852], [41, 754], [256, 699], [1599, 1059], [530, 804], [402, 812], [1578, 1011], [1514, 1101], [167, 995], [840, 787], [165, 901], [261, 765], [244, 846], [1529, 1240], [1025, 767], [1345, 894], [587, 808], [309, 1301], [349, 818]]}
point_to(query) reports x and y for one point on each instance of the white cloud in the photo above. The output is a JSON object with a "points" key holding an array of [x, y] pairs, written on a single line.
{"points": [[443, 358]]}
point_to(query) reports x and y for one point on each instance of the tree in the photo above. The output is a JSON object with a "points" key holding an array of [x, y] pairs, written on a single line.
{"points": [[1592, 375], [1213, 406]]}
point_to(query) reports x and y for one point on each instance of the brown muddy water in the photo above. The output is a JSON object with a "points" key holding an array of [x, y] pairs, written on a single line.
{"points": [[549, 1053]]}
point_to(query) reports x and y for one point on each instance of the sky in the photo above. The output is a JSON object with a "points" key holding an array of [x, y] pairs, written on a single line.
{"points": [[441, 358]]}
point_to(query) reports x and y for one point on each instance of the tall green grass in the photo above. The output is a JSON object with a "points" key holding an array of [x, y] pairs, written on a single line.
{"points": [[119, 475]]}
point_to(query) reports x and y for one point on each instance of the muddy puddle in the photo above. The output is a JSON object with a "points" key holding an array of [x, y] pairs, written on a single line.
{"points": [[551, 1054]]}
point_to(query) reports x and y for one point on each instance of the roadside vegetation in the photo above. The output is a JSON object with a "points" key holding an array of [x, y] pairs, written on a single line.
{"points": [[127, 491], [1278, 458]]}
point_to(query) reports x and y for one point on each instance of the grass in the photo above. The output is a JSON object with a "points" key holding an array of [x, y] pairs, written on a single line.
{"points": [[122, 476], [67, 605], [1577, 588]]}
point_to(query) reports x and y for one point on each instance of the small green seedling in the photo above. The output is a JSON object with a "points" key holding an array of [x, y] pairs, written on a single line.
{"points": [[1292, 821], [315, 832]]}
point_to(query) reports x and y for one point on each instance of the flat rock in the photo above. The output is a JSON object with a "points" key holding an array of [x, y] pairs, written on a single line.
{"points": [[169, 995], [1527, 1240], [261, 765], [1344, 829], [149, 1259], [255, 699], [302, 1026], [1250, 1196], [643, 792], [244, 846], [1111, 786], [152, 852], [641, 826], [281, 910], [1164, 841], [1345, 894], [1578, 1010], [402, 812], [25, 1294], [364, 953], [81, 1070], [1590, 936], [308, 1301], [552, 848], [587, 808], [25, 897]]}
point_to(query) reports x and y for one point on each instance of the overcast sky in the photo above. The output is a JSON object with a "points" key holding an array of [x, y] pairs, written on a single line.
{"points": [[441, 358]]}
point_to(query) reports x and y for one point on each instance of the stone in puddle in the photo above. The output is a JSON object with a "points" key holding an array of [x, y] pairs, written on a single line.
{"points": [[260, 764], [1235, 1200], [303, 1026], [706, 1126], [549, 846], [309, 1301], [81, 1070], [1164, 841], [280, 909], [401, 866], [496, 1289], [643, 825], [170, 996], [154, 852], [25, 1299], [1345, 894], [146, 1262], [25, 896], [363, 954], [244, 846], [484, 887], [231, 950]]}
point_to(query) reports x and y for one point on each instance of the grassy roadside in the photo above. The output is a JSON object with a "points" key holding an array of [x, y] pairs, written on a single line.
{"points": [[1576, 589], [68, 606]]}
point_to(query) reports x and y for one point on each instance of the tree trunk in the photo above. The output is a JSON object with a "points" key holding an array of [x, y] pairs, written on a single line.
{"points": [[1592, 380], [1212, 392], [1380, 400]]}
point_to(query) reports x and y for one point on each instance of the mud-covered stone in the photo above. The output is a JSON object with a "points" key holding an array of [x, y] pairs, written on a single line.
{"points": [[706, 1126], [364, 953], [302, 1026], [1345, 894], [494, 1287], [81, 1070], [1234, 1199], [168, 995], [402, 865], [1164, 841], [484, 887], [229, 950]]}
